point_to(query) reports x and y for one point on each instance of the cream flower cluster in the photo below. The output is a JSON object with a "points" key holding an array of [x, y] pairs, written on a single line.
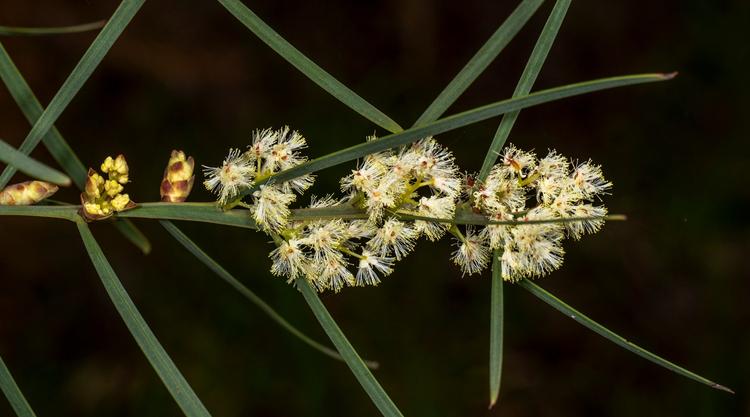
{"points": [[527, 189], [398, 192], [421, 179], [271, 151], [418, 178]]}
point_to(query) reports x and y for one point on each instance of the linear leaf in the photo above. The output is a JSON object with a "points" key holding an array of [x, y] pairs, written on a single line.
{"points": [[133, 234], [528, 77], [32, 110], [368, 382], [597, 328], [52, 212], [497, 317], [57, 30], [155, 353], [31, 167], [209, 213], [219, 270], [56, 144], [85, 67], [459, 120], [196, 212], [480, 61], [13, 393], [310, 69]]}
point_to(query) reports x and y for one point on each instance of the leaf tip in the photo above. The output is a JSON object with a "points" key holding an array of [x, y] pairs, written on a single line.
{"points": [[669, 75], [722, 388], [145, 247], [493, 400]]}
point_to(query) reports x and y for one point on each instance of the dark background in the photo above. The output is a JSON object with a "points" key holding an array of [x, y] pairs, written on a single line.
{"points": [[673, 278]]}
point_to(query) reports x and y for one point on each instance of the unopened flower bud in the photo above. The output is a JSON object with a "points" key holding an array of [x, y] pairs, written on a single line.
{"points": [[94, 184], [107, 165], [26, 193], [117, 168], [112, 188], [122, 202], [120, 168], [178, 178]]}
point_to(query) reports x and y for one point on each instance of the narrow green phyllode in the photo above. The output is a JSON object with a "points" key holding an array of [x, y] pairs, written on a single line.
{"points": [[173, 380], [55, 30], [456, 121], [597, 328], [497, 318], [219, 270], [31, 167], [378, 396], [307, 67], [480, 61], [13, 393], [528, 77]]}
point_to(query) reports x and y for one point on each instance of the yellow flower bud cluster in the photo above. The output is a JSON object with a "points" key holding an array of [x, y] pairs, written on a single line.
{"points": [[103, 197], [26, 193], [178, 178]]}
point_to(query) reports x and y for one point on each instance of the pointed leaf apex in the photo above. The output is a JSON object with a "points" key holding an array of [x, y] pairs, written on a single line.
{"points": [[722, 388]]}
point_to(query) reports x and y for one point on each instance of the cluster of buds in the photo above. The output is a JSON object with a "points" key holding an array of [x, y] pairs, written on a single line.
{"points": [[271, 151], [103, 197], [178, 178], [420, 181], [26, 193]]}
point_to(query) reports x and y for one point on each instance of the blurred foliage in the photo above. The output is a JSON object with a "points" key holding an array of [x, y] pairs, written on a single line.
{"points": [[674, 277]]}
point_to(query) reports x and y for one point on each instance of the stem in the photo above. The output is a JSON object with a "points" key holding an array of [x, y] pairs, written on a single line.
{"points": [[454, 230], [348, 252]]}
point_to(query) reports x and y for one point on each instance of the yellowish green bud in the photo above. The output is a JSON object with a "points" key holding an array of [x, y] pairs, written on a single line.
{"points": [[113, 188], [107, 165], [94, 184], [122, 202], [178, 178], [26, 193]]}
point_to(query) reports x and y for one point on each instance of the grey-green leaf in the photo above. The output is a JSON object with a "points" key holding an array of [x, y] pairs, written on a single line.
{"points": [[459, 120], [365, 378], [480, 61], [528, 77], [31, 167], [161, 362], [32, 110], [13, 393], [133, 234], [497, 319], [597, 328], [197, 212], [57, 30], [310, 69], [219, 270], [82, 71], [209, 213]]}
